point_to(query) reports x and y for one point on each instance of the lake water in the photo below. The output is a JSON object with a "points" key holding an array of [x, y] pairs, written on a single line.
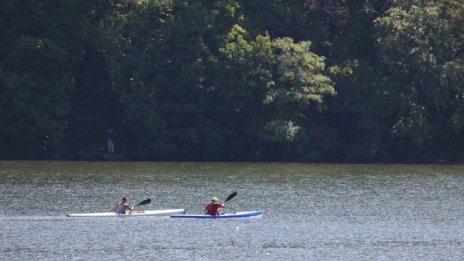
{"points": [[310, 211]]}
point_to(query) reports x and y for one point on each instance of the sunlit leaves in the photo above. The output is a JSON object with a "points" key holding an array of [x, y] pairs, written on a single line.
{"points": [[236, 47], [282, 131], [301, 77], [421, 49]]}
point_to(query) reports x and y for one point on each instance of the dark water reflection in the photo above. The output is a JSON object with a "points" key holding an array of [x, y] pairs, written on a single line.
{"points": [[311, 211]]}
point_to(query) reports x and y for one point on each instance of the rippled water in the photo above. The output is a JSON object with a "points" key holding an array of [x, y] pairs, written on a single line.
{"points": [[310, 211]]}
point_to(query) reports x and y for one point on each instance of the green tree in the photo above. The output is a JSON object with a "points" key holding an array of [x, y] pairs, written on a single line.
{"points": [[244, 73], [300, 85], [354, 124], [162, 69], [35, 84], [41, 44], [279, 18], [420, 46], [51, 57]]}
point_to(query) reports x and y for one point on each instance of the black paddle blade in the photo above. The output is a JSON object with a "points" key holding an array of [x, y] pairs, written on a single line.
{"points": [[231, 196], [146, 201]]}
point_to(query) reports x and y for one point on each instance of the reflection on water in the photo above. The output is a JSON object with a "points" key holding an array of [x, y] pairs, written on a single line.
{"points": [[311, 211]]}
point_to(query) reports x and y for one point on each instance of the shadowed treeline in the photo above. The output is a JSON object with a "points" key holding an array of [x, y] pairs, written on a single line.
{"points": [[259, 80]]}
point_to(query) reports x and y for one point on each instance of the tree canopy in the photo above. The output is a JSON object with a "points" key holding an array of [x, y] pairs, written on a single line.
{"points": [[309, 80]]}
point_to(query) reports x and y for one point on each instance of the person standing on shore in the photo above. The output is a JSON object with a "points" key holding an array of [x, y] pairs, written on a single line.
{"points": [[110, 140]]}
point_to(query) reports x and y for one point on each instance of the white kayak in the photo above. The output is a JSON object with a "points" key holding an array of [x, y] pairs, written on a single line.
{"points": [[245, 214], [162, 212]]}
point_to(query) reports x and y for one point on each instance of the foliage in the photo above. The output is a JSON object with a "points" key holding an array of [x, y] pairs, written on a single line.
{"points": [[301, 80], [40, 46], [420, 49], [304, 80]]}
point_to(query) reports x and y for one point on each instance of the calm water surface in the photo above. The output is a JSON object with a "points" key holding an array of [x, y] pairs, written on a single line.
{"points": [[311, 211]]}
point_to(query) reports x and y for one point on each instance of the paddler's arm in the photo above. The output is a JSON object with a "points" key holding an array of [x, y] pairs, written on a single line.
{"points": [[222, 206], [128, 207]]}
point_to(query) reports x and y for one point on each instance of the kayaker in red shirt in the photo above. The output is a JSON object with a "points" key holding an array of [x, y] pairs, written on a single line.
{"points": [[213, 207]]}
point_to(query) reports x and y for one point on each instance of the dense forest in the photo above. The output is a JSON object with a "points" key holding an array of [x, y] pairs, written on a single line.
{"points": [[233, 80]]}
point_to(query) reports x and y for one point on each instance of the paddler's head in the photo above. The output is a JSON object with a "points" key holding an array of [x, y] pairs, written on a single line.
{"points": [[215, 199], [124, 200]]}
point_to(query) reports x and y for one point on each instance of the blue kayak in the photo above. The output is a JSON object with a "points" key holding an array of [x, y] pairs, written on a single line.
{"points": [[246, 214]]}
